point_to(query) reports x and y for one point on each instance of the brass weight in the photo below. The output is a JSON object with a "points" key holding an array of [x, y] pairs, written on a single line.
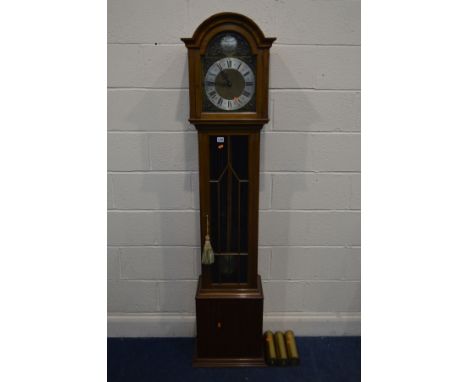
{"points": [[293, 354], [281, 349], [270, 352]]}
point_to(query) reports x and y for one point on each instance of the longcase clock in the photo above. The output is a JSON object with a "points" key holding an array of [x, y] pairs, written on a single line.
{"points": [[228, 85]]}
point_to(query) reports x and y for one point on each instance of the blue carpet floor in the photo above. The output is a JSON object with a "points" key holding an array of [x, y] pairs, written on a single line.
{"points": [[323, 359]]}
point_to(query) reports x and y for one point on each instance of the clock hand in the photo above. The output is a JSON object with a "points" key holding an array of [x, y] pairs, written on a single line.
{"points": [[226, 78], [224, 75], [223, 84]]}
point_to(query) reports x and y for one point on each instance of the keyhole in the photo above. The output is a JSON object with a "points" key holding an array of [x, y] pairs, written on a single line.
{"points": [[219, 325]]}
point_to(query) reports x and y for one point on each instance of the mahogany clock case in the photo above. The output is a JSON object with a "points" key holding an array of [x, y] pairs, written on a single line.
{"points": [[229, 298]]}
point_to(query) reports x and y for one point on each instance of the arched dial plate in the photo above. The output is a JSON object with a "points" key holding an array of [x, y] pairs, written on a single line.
{"points": [[230, 84]]}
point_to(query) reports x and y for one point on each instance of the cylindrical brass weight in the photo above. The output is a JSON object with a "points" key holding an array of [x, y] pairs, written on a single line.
{"points": [[270, 352], [293, 354], [281, 349]]}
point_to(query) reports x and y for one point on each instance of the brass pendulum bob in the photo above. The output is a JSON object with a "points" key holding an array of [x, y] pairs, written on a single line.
{"points": [[208, 254], [227, 265]]}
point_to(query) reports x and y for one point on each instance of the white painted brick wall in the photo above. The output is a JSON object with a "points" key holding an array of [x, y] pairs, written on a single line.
{"points": [[311, 152], [148, 110], [316, 263], [315, 67], [173, 151], [127, 152], [158, 263], [316, 110], [113, 266], [314, 191], [298, 21], [165, 191], [309, 228], [177, 296], [309, 255], [153, 227], [312, 296], [147, 66], [132, 296]]}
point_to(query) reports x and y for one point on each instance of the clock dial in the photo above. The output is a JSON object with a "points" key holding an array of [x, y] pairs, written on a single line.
{"points": [[229, 83]]}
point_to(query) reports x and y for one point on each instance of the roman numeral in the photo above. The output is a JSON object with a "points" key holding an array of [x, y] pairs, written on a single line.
{"points": [[212, 94], [229, 104], [240, 64], [246, 73], [249, 84], [245, 93], [219, 67], [210, 83], [220, 102], [229, 63]]}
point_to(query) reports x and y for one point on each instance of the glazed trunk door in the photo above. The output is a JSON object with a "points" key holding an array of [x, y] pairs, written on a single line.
{"points": [[229, 188], [229, 194]]}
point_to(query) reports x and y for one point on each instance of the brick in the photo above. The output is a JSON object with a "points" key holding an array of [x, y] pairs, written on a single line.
{"points": [[147, 66], [356, 192], [153, 191], [307, 228], [311, 191], [158, 263], [262, 12], [196, 189], [113, 264], [153, 228], [197, 264], [283, 296], [132, 296], [127, 152], [269, 126], [315, 67], [310, 152], [318, 22], [305, 110], [173, 151], [315, 22], [330, 296], [265, 191], [147, 110], [312, 296], [147, 21], [315, 263], [110, 196], [264, 255], [177, 296]]}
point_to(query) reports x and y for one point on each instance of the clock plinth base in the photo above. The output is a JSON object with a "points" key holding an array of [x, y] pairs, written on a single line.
{"points": [[228, 362], [229, 327]]}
